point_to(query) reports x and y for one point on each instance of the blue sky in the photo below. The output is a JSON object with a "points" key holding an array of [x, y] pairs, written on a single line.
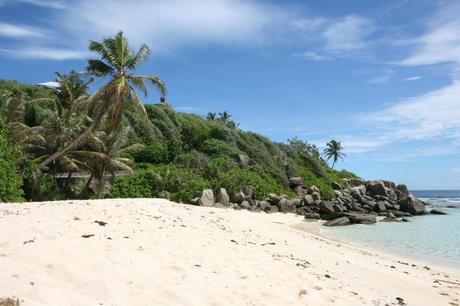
{"points": [[381, 76]]}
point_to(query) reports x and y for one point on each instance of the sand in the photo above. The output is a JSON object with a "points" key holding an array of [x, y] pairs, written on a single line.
{"points": [[155, 252]]}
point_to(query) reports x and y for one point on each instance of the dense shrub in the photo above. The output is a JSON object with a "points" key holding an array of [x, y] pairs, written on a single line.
{"points": [[10, 181], [237, 178], [181, 183], [140, 184], [215, 147], [192, 159], [154, 153]]}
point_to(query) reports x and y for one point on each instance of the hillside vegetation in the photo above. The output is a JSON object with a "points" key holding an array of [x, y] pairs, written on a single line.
{"points": [[50, 137]]}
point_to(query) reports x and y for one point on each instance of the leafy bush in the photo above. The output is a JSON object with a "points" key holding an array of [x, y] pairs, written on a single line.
{"points": [[154, 153], [10, 181], [140, 184], [214, 147], [192, 159], [236, 179], [181, 183]]}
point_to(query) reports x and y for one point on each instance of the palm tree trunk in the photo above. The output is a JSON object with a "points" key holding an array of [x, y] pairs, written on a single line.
{"points": [[68, 180], [101, 186]]}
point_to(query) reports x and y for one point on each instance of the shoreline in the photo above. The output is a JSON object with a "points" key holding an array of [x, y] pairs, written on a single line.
{"points": [[153, 251], [314, 228]]}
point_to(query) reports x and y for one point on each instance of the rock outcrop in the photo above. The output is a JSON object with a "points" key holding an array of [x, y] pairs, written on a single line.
{"points": [[357, 202]]}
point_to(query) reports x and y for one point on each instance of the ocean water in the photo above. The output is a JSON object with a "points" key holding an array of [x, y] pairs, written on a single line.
{"points": [[431, 238]]}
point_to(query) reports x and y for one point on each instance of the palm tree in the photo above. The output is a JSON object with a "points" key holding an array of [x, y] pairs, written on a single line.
{"points": [[334, 150], [107, 154], [71, 87], [211, 116], [224, 116], [118, 62], [12, 105]]}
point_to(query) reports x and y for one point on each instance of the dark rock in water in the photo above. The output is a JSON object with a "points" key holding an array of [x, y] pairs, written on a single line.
{"points": [[437, 212], [412, 205], [312, 216], [338, 222], [361, 218], [273, 209], [404, 220], [326, 207], [286, 206], [376, 188], [399, 214], [403, 192], [388, 219]]}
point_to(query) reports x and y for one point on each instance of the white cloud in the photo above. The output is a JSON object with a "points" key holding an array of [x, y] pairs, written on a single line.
{"points": [[441, 41], [432, 115], [348, 34], [166, 25], [362, 144], [17, 31], [384, 77], [46, 3], [413, 78], [45, 53], [314, 56]]}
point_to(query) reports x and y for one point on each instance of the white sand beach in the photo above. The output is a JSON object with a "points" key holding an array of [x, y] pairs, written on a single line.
{"points": [[155, 252]]}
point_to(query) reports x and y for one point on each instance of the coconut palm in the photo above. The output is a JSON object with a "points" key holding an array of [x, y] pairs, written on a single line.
{"points": [[211, 116], [12, 105], [117, 62], [333, 150], [106, 154], [224, 116]]}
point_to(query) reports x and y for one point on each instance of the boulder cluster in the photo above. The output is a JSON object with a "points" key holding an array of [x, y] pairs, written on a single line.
{"points": [[245, 200], [359, 201], [356, 202]]}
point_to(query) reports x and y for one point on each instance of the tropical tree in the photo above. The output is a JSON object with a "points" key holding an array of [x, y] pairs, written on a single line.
{"points": [[71, 87], [224, 117], [334, 150], [118, 62], [12, 105], [211, 116], [106, 154]]}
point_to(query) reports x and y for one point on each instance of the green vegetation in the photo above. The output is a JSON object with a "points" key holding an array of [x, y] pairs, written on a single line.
{"points": [[10, 181], [72, 144]]}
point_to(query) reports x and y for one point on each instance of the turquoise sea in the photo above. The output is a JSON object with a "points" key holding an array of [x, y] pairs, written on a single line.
{"points": [[431, 238]]}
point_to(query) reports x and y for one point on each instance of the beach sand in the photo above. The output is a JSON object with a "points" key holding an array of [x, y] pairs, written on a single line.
{"points": [[155, 252]]}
